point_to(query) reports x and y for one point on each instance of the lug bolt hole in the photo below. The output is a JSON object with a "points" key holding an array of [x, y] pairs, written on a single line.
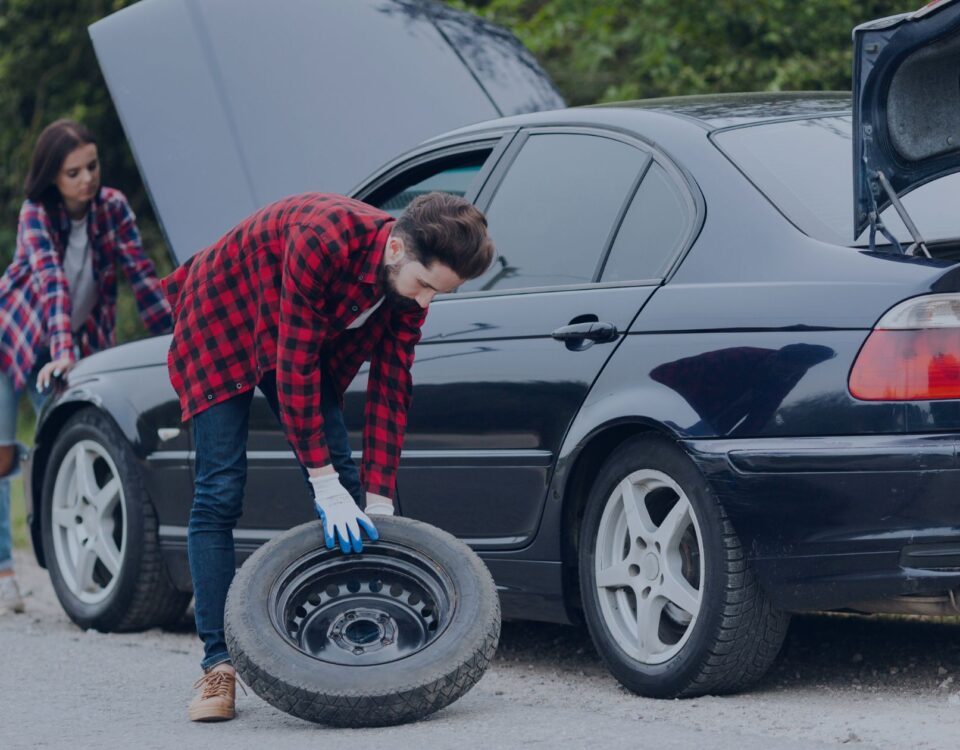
{"points": [[634, 570]]}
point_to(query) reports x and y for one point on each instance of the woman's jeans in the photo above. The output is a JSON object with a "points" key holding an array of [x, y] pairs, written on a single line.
{"points": [[8, 436], [220, 441]]}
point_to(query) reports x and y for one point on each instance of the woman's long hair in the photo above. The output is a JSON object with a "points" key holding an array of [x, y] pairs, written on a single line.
{"points": [[55, 143]]}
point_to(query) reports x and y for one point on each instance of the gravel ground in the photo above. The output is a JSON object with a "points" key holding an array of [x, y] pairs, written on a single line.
{"points": [[850, 681]]}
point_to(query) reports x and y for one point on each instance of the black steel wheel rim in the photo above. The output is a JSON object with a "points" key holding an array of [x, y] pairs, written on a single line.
{"points": [[376, 607]]}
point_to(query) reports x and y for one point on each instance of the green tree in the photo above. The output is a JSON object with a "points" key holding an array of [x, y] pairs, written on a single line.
{"points": [[608, 50]]}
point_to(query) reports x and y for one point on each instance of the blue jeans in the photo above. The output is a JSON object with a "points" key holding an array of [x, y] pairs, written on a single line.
{"points": [[220, 441], [8, 436]]}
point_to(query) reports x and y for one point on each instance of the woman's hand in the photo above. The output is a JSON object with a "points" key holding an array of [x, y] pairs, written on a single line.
{"points": [[55, 369]]}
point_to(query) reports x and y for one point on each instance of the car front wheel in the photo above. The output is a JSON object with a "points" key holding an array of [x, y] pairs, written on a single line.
{"points": [[100, 532], [670, 600]]}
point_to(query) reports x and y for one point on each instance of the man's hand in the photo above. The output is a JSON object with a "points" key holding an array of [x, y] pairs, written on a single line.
{"points": [[53, 370], [338, 512]]}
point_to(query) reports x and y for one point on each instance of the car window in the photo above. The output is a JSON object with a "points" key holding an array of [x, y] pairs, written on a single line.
{"points": [[450, 174], [804, 168], [652, 231], [552, 214]]}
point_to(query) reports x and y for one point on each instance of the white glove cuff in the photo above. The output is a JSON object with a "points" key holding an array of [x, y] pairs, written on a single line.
{"points": [[326, 484], [379, 509]]}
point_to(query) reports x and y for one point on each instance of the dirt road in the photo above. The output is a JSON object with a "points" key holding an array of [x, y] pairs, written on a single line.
{"points": [[858, 682]]}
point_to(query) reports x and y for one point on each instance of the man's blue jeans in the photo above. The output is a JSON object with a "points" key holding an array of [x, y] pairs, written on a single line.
{"points": [[220, 441]]}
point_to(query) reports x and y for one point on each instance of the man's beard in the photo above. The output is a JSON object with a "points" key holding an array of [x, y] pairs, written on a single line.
{"points": [[396, 300]]}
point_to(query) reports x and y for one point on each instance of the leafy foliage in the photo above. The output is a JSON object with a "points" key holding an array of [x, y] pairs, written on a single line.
{"points": [[608, 50]]}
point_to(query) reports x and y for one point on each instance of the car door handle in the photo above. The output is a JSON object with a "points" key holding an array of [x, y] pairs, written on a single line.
{"points": [[597, 331]]}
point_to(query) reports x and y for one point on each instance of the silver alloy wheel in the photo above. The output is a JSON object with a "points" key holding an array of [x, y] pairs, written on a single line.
{"points": [[649, 566], [89, 521]]}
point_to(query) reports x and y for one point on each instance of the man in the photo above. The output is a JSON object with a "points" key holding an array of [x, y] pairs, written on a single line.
{"points": [[292, 301]]}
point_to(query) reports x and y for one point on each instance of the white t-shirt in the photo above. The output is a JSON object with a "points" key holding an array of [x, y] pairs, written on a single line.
{"points": [[362, 317], [78, 268]]}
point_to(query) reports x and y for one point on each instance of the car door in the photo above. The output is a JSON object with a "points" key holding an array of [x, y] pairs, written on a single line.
{"points": [[494, 388]]}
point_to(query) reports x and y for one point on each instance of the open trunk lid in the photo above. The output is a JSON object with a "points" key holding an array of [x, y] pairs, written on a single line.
{"points": [[906, 104]]}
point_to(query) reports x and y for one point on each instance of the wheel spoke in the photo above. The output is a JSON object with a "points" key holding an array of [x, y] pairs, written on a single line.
{"points": [[648, 627], [638, 519], [614, 577], [106, 498], [674, 524], [65, 517], [86, 560], [108, 553], [86, 481], [678, 590]]}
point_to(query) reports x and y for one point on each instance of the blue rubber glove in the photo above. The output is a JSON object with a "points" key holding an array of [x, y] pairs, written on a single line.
{"points": [[342, 519]]}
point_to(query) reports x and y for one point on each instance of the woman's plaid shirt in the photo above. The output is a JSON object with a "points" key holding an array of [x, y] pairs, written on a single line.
{"points": [[35, 299], [278, 292]]}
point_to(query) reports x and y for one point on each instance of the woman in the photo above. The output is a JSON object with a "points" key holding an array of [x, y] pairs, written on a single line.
{"points": [[58, 296]]}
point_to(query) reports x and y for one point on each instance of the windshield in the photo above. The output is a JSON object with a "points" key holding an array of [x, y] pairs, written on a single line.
{"points": [[805, 168]]}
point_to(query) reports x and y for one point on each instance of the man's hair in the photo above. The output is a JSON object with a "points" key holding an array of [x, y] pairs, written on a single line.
{"points": [[446, 228]]}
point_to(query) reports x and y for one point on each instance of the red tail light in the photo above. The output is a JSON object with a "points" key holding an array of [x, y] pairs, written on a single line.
{"points": [[913, 353]]}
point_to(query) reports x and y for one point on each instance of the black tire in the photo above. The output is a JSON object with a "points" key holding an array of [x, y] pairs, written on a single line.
{"points": [[733, 636], [137, 596], [329, 684]]}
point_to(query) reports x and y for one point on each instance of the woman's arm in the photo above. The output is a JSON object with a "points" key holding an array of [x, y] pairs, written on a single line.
{"points": [[151, 302], [33, 236]]}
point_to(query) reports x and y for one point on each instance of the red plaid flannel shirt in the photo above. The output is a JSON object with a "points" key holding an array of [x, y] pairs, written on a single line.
{"points": [[35, 298], [278, 292]]}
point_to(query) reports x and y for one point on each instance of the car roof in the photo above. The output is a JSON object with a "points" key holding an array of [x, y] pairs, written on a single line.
{"points": [[706, 112], [723, 110]]}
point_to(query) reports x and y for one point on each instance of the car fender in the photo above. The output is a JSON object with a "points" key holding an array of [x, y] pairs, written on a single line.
{"points": [[139, 401]]}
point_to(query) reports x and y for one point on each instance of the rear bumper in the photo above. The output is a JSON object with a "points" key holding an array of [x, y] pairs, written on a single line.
{"points": [[828, 522]]}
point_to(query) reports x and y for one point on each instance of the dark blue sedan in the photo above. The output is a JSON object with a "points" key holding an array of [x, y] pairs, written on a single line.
{"points": [[712, 377]]}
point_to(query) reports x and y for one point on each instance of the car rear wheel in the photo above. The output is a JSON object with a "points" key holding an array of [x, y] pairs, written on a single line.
{"points": [[100, 532], [670, 600], [383, 637]]}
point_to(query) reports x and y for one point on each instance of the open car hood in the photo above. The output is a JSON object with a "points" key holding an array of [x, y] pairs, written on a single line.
{"points": [[906, 104], [231, 104]]}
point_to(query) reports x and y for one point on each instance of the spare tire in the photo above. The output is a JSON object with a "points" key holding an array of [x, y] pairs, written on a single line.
{"points": [[383, 637]]}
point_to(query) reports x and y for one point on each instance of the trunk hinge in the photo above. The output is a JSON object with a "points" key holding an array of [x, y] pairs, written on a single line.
{"points": [[879, 181]]}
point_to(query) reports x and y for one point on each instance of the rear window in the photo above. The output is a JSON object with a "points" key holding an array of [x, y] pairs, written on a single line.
{"points": [[806, 168]]}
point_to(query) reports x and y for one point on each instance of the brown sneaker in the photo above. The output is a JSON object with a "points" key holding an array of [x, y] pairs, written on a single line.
{"points": [[218, 695]]}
